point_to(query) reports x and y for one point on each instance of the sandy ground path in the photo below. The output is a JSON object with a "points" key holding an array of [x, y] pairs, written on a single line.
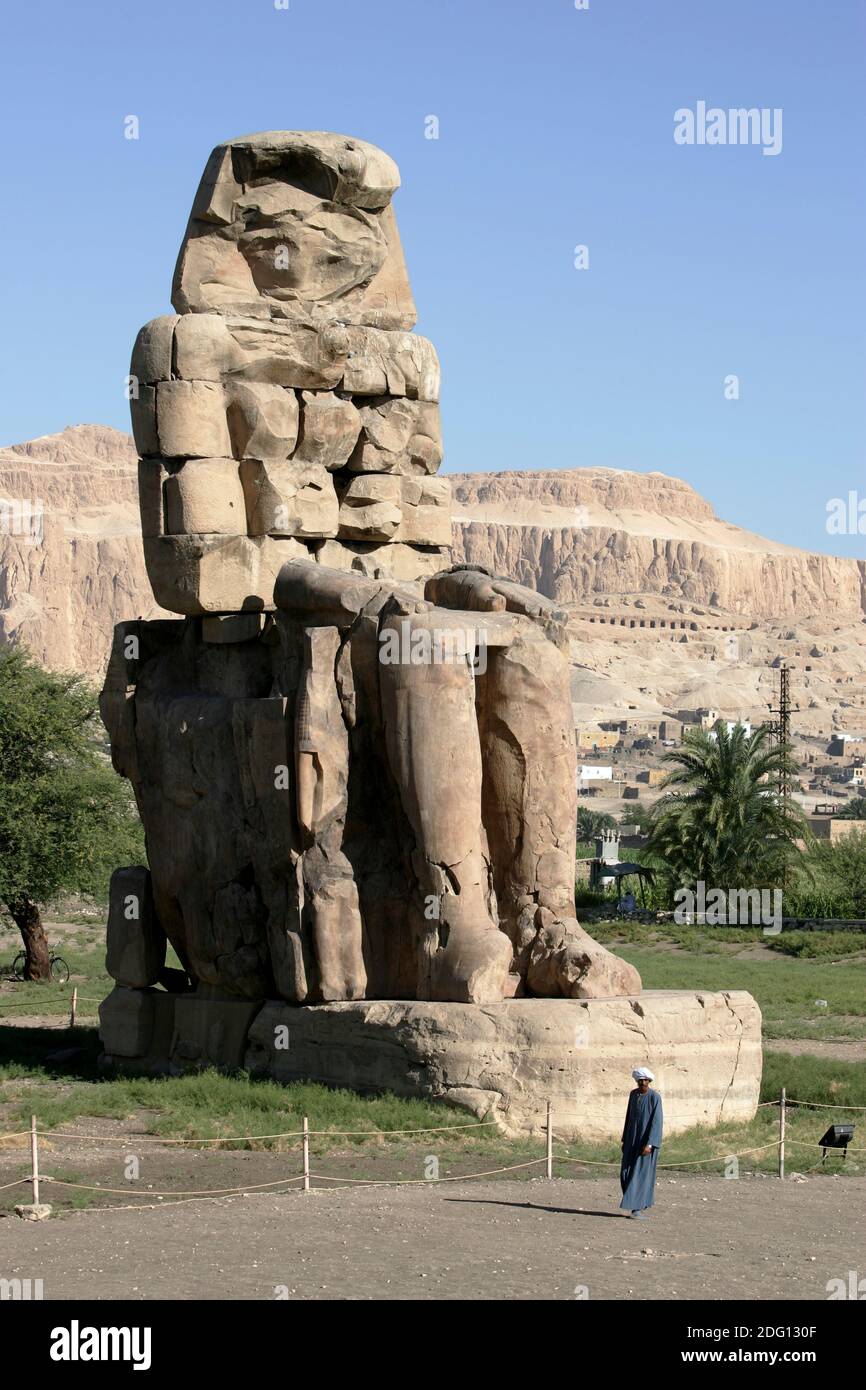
{"points": [[755, 1238]]}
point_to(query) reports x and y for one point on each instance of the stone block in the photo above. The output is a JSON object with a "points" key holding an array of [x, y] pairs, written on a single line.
{"points": [[205, 497], [394, 560], [303, 356], [382, 363], [142, 410], [152, 353], [398, 436], [135, 941], [263, 420], [152, 474], [289, 499], [126, 1018], [201, 574], [210, 1032], [204, 349], [191, 421], [329, 430], [426, 508], [371, 507]]}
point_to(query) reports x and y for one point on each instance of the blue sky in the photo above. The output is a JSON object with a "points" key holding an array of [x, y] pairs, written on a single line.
{"points": [[555, 129]]}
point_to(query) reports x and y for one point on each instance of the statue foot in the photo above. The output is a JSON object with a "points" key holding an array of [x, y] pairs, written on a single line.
{"points": [[566, 961], [473, 957]]}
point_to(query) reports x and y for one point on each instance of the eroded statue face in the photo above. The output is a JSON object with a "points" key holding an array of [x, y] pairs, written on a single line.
{"points": [[296, 225]]}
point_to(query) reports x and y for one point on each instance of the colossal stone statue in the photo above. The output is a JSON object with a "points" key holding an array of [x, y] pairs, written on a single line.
{"points": [[355, 766]]}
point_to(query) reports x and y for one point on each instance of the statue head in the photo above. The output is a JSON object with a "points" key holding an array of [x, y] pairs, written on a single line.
{"points": [[296, 225]]}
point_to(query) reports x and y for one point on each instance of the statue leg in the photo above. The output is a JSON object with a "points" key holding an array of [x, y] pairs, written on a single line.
{"points": [[530, 812], [432, 741], [330, 898]]}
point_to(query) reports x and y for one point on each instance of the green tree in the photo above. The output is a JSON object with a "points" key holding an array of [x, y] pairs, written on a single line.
{"points": [[722, 820], [65, 817], [832, 880], [855, 810], [591, 823], [637, 815]]}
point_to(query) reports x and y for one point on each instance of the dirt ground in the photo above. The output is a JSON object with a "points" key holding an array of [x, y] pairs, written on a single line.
{"points": [[755, 1238]]}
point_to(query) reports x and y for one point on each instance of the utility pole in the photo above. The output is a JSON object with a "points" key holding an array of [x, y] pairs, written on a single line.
{"points": [[780, 728]]}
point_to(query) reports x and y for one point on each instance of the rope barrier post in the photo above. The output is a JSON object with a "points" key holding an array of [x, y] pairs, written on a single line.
{"points": [[74, 1006], [549, 1140], [34, 1161], [306, 1182], [782, 1135]]}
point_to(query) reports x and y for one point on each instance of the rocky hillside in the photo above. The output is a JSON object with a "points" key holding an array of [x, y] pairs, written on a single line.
{"points": [[71, 562], [602, 531]]}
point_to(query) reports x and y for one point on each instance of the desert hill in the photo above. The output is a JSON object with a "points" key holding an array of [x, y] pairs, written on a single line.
{"points": [[671, 605], [600, 531]]}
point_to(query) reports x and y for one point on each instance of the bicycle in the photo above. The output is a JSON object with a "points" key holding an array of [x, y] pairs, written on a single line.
{"points": [[57, 967]]}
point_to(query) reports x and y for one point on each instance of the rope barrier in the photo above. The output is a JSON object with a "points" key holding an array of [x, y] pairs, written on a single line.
{"points": [[816, 1144], [16, 1183], [128, 1140], [683, 1163], [43, 1004], [65, 1001], [17, 1134], [816, 1105], [425, 1182], [423, 1129], [193, 1192], [241, 1138], [797, 1174]]}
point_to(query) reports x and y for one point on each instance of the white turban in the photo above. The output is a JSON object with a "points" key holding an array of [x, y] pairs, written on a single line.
{"points": [[642, 1073]]}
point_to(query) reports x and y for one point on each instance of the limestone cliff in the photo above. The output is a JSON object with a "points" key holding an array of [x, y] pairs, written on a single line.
{"points": [[71, 560], [603, 531]]}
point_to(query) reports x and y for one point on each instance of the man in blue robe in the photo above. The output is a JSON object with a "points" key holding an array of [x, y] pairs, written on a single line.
{"points": [[641, 1138]]}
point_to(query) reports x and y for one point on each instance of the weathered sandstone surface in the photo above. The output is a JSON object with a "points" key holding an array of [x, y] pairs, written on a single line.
{"points": [[506, 1061]]}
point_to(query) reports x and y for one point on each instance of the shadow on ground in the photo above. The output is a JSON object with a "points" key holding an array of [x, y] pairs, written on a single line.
{"points": [[58, 1051]]}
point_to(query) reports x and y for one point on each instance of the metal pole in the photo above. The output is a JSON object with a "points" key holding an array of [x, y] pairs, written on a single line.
{"points": [[34, 1161], [306, 1182], [549, 1141], [782, 1135]]}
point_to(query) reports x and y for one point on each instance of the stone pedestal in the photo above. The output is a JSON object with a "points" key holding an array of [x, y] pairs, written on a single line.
{"points": [[505, 1061], [502, 1062]]}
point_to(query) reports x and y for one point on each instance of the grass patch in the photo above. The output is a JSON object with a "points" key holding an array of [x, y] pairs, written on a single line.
{"points": [[785, 989], [815, 945], [211, 1105]]}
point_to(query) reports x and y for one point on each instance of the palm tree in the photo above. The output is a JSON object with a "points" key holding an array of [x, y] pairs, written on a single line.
{"points": [[722, 820], [591, 823]]}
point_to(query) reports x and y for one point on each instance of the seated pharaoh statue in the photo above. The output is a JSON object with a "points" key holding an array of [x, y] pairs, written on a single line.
{"points": [[355, 764]]}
